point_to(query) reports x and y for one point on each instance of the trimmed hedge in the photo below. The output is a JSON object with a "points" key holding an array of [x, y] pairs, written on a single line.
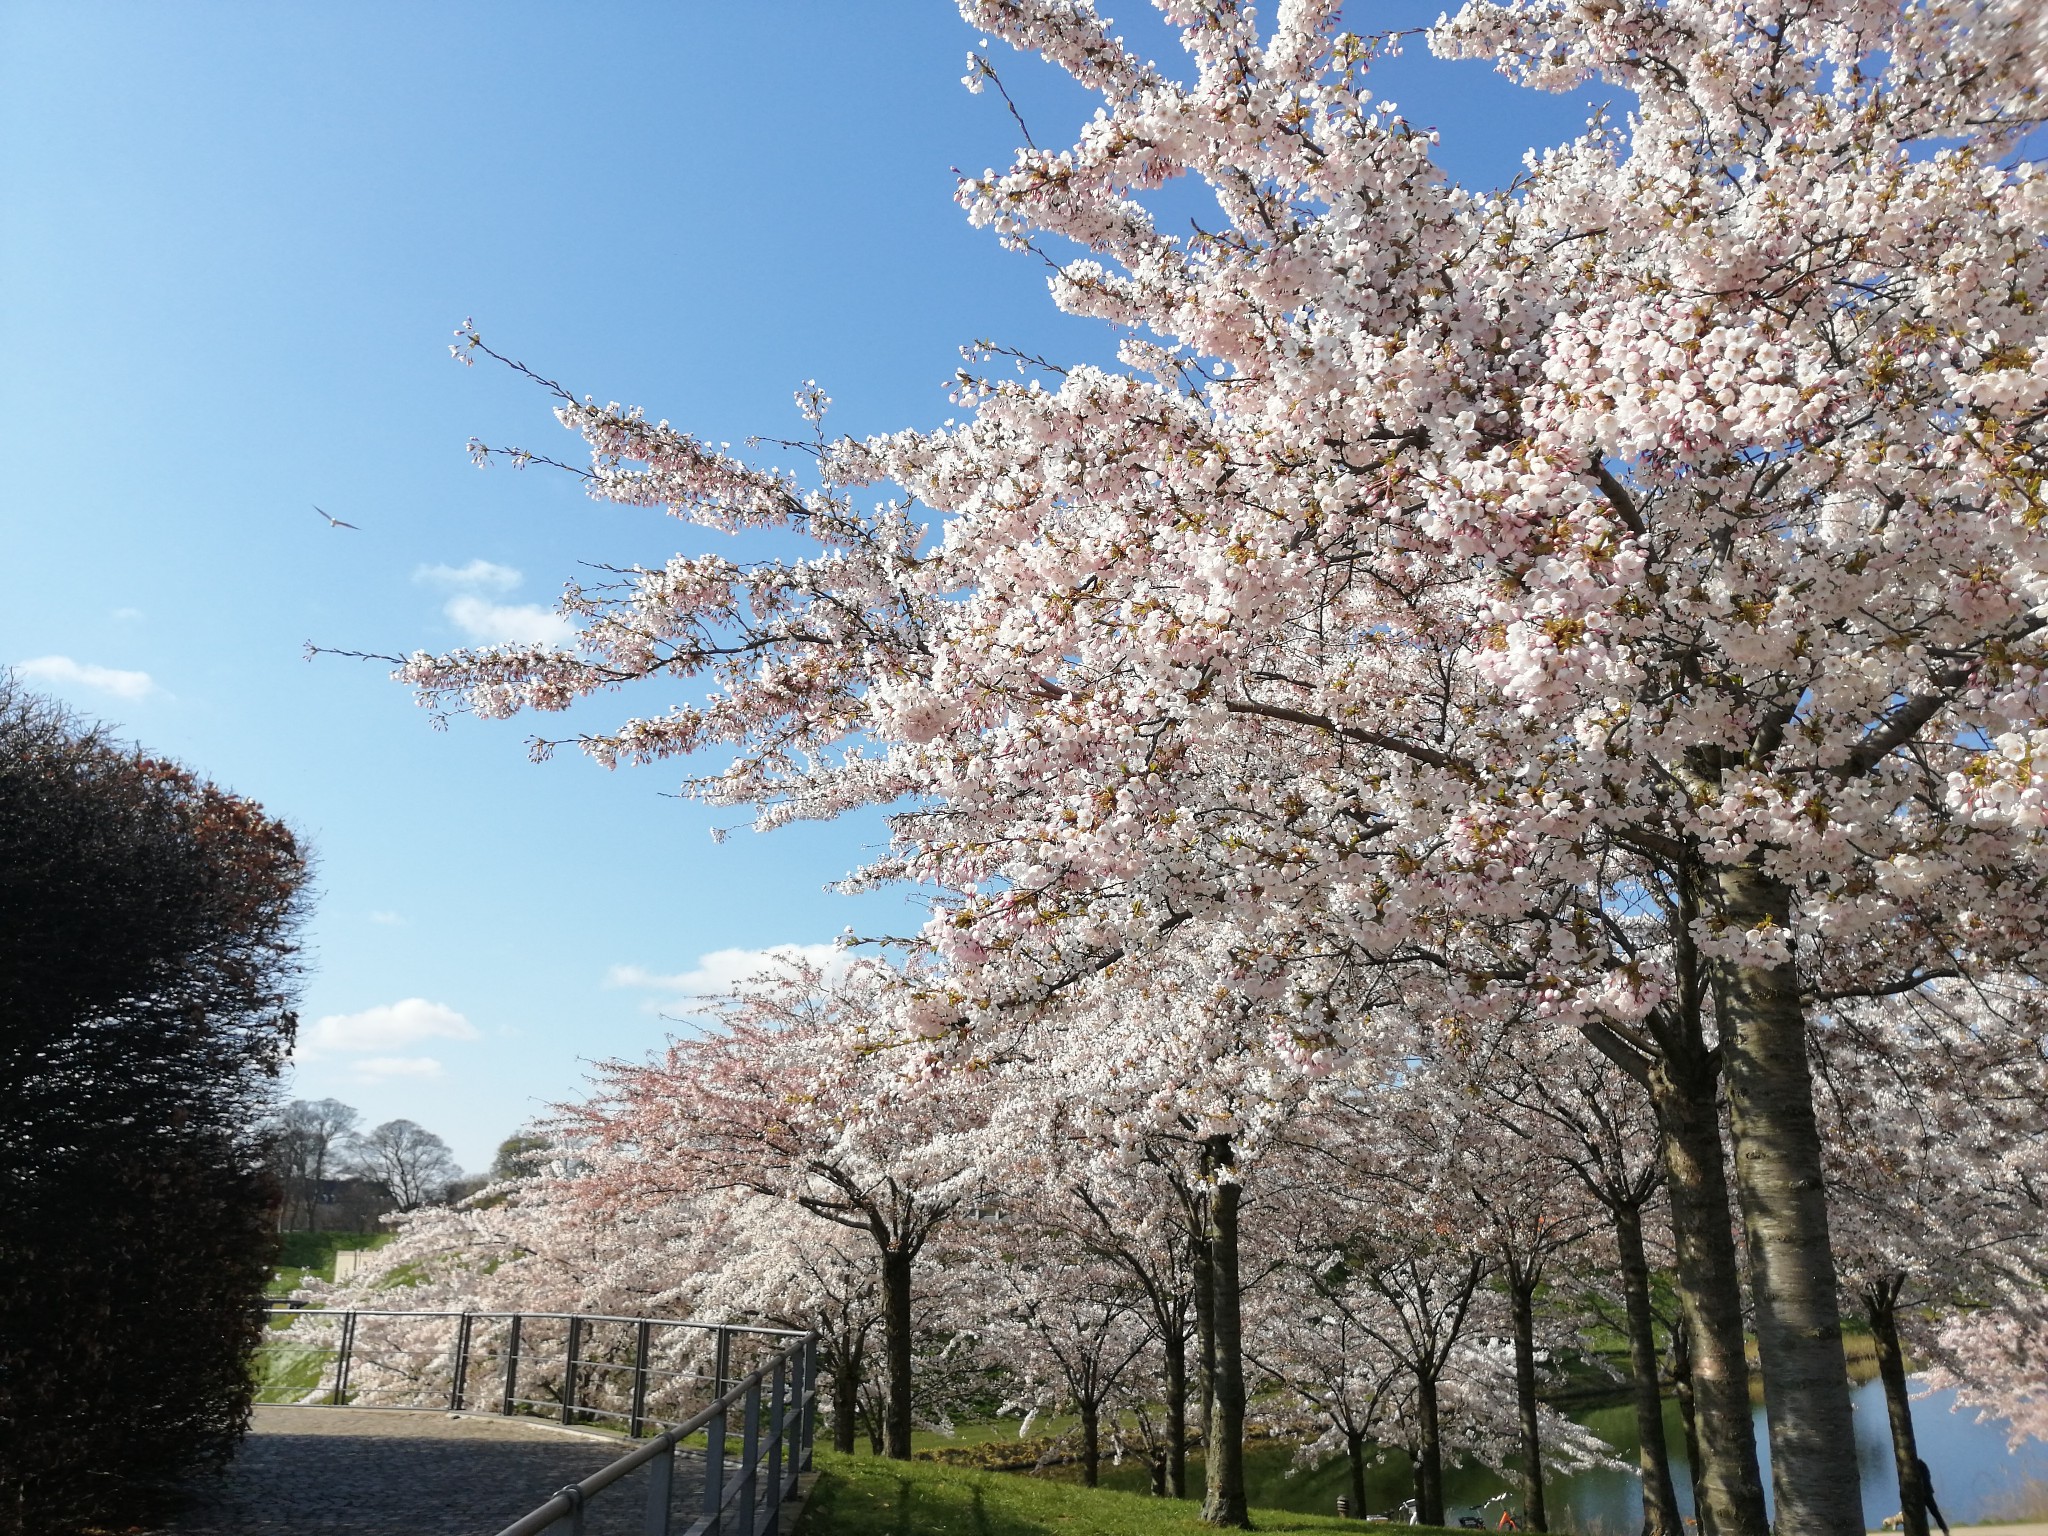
{"points": [[147, 968]]}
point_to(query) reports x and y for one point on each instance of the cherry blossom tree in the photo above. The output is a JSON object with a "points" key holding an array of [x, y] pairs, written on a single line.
{"points": [[1332, 1373], [1224, 1068], [792, 1095], [1067, 1325], [1139, 1215], [1935, 1102], [1592, 1121], [1450, 575], [813, 1276], [1508, 1179]]}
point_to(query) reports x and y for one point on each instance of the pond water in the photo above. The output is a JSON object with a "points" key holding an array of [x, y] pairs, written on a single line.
{"points": [[1975, 1477]]}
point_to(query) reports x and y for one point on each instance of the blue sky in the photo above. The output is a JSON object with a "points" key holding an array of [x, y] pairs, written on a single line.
{"points": [[237, 240]]}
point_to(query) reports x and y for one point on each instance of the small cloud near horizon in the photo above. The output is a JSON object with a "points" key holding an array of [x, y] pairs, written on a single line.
{"points": [[387, 1027], [715, 974], [63, 671], [377, 1069]]}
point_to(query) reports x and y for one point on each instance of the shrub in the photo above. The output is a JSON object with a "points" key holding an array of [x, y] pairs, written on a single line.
{"points": [[147, 969]]}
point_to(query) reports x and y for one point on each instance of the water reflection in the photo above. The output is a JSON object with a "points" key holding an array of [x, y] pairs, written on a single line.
{"points": [[1975, 1477]]}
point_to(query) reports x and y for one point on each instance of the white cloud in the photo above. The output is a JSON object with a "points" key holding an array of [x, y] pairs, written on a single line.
{"points": [[489, 623], [377, 1069], [62, 670], [715, 974], [130, 615], [390, 1026], [387, 919], [487, 574]]}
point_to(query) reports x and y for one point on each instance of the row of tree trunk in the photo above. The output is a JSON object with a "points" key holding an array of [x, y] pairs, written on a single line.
{"points": [[1760, 1062]]}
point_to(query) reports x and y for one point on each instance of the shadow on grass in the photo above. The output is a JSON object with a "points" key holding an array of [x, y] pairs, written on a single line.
{"points": [[861, 1496]]}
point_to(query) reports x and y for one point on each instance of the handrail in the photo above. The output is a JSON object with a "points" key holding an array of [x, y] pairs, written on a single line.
{"points": [[769, 1463], [790, 1423], [588, 1317]]}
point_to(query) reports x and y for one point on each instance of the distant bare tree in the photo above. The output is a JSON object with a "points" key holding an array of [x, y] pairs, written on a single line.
{"points": [[407, 1159], [313, 1139]]}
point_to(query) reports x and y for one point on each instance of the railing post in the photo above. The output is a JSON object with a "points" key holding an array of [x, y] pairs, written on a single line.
{"points": [[348, 1344], [750, 1454], [512, 1365], [807, 1428], [461, 1363], [721, 1363], [569, 1370], [661, 1477], [771, 1498], [639, 1413], [714, 1474]]}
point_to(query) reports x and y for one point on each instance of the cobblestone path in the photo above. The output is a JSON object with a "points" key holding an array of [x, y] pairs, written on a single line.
{"points": [[342, 1472]]}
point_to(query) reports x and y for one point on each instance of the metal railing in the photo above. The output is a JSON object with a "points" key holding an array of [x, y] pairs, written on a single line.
{"points": [[645, 1373], [736, 1499]]}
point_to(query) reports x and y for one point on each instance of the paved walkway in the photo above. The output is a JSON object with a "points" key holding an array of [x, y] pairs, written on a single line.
{"points": [[345, 1472]]}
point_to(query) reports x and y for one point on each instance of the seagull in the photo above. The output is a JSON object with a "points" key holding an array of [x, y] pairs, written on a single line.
{"points": [[332, 520]]}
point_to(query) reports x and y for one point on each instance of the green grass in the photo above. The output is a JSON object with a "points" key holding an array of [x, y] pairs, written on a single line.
{"points": [[286, 1372], [304, 1256], [862, 1496]]}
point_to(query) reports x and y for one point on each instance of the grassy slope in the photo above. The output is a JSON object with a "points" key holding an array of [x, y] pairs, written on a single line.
{"points": [[310, 1255], [861, 1496]]}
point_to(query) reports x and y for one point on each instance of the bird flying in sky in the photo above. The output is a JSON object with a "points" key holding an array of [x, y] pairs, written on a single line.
{"points": [[332, 520]]}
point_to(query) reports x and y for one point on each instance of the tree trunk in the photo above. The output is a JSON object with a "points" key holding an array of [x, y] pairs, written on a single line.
{"points": [[1223, 1497], [1175, 1344], [1354, 1450], [1881, 1303], [1429, 1465], [1815, 1483], [1660, 1497], [1681, 1387], [896, 1345], [1091, 1444], [845, 1400], [1728, 1486], [1205, 1331], [1522, 1293]]}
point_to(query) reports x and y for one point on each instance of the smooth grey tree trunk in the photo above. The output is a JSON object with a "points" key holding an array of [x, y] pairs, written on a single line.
{"points": [[1727, 1482], [1429, 1465], [896, 1344], [1176, 1482], [1816, 1485], [1205, 1329], [1881, 1305], [1354, 1452], [1223, 1495], [845, 1402], [1681, 1387], [1653, 1456], [1522, 1294]]}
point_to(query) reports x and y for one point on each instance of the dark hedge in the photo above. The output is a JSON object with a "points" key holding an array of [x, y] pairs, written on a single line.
{"points": [[148, 943]]}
